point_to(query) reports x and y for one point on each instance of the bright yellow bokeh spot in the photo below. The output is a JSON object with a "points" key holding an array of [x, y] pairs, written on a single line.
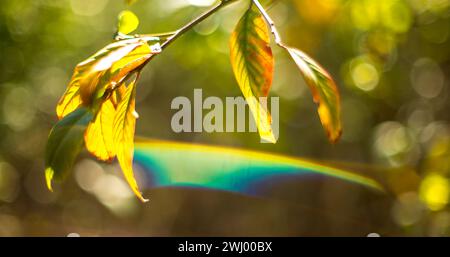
{"points": [[128, 22], [434, 191]]}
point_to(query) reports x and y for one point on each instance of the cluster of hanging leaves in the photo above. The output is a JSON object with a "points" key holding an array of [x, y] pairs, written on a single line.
{"points": [[252, 61], [98, 108]]}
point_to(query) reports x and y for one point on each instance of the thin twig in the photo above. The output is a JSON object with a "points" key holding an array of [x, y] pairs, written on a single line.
{"points": [[174, 35], [189, 26], [271, 23], [194, 22]]}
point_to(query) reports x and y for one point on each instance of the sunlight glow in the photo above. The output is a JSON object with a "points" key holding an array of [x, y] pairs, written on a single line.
{"points": [[435, 191]]}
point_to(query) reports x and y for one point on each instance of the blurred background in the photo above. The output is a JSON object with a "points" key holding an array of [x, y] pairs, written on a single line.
{"points": [[390, 58]]}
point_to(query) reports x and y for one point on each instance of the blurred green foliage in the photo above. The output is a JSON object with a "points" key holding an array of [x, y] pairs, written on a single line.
{"points": [[390, 58]]}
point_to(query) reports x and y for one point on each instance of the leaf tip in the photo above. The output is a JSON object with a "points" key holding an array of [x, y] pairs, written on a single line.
{"points": [[268, 138], [334, 136], [49, 172], [139, 195]]}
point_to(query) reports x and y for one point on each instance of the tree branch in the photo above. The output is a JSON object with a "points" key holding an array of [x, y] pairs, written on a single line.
{"points": [[186, 28], [172, 36], [194, 22]]}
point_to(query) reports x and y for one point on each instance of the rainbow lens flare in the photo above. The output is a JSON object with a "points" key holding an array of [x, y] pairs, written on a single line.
{"points": [[222, 168]]}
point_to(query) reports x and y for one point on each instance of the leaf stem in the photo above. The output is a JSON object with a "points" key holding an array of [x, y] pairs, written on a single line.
{"points": [[271, 23]]}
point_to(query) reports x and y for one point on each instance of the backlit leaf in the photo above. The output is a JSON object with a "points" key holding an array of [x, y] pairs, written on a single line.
{"points": [[324, 90], [252, 62], [99, 134], [127, 22], [117, 95], [124, 127], [104, 70], [70, 101], [64, 144]]}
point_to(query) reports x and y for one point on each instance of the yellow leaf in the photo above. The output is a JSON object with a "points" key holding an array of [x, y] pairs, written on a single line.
{"points": [[129, 62], [324, 91], [98, 137], [117, 95], [128, 22], [104, 70], [252, 62], [124, 126], [70, 101]]}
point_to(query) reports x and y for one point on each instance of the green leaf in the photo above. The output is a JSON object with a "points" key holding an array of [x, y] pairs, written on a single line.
{"points": [[324, 91], [252, 62], [64, 144]]}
